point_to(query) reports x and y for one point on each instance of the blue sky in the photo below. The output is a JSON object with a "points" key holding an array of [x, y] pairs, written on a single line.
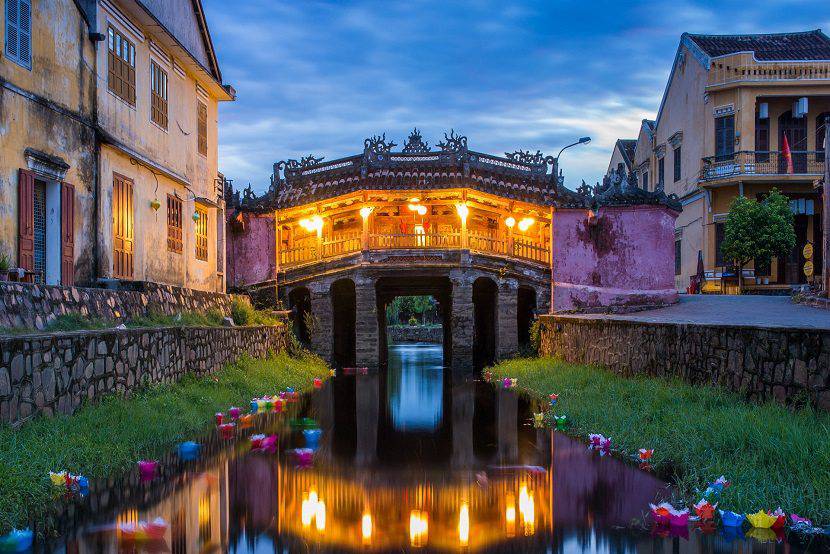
{"points": [[317, 77]]}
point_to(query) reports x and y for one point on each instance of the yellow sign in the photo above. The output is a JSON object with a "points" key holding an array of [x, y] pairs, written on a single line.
{"points": [[808, 268], [808, 251]]}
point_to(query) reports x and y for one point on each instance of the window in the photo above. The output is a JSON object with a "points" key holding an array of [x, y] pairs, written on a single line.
{"points": [[661, 172], [202, 129], [677, 166], [174, 224], [645, 180], [820, 126], [677, 250], [19, 32], [121, 66], [201, 234], [725, 136], [761, 139], [720, 233], [158, 95]]}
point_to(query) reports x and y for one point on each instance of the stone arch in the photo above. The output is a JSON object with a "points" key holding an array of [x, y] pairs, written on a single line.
{"points": [[526, 311], [485, 310], [299, 302], [344, 317]]}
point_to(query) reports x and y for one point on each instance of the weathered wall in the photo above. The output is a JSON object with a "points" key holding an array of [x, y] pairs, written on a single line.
{"points": [[250, 249], [414, 333], [32, 306], [788, 365], [623, 258], [49, 374], [50, 108]]}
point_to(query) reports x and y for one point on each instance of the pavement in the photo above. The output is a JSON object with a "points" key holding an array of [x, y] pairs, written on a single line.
{"points": [[760, 311]]}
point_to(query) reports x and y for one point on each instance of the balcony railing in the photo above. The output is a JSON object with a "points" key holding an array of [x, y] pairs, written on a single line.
{"points": [[743, 68], [747, 163], [347, 243]]}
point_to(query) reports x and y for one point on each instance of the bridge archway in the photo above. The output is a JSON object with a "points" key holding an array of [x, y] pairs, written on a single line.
{"points": [[299, 302], [344, 316], [526, 310], [439, 287], [485, 310]]}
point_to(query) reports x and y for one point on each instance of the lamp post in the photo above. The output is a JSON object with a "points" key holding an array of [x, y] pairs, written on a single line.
{"points": [[582, 140]]}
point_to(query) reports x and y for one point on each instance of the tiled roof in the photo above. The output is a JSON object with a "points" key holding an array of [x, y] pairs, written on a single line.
{"points": [[808, 45], [628, 148]]}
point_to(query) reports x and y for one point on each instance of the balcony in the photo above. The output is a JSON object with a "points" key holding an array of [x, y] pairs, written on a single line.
{"points": [[312, 250], [743, 69], [760, 163]]}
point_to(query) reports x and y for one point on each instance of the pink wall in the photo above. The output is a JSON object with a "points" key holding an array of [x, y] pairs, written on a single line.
{"points": [[624, 258], [251, 254]]}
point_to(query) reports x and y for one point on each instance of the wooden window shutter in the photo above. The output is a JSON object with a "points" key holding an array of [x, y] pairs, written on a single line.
{"points": [[24, 29], [26, 220], [67, 235]]}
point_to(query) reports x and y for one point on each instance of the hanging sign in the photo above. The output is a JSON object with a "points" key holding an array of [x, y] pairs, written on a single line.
{"points": [[808, 268], [808, 251]]}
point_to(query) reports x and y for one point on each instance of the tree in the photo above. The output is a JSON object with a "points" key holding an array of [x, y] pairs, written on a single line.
{"points": [[758, 231]]}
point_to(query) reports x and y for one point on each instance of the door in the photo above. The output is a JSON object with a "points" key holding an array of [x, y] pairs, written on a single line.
{"points": [[122, 227], [67, 235], [795, 128]]}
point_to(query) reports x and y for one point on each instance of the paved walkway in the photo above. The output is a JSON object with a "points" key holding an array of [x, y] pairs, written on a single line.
{"points": [[764, 311]]}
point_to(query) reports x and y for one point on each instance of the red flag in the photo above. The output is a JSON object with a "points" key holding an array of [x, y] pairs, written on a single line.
{"points": [[788, 156]]}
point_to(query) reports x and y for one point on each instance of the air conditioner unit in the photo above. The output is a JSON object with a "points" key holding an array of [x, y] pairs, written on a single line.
{"points": [[800, 107], [763, 110]]}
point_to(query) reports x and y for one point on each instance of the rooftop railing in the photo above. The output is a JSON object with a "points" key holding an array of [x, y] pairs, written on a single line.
{"points": [[743, 68], [748, 163]]}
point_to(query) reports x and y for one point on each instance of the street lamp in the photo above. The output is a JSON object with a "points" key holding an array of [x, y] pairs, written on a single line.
{"points": [[581, 140]]}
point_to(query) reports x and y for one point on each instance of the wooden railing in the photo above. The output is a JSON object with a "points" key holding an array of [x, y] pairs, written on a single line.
{"points": [[761, 163], [742, 68], [477, 241]]}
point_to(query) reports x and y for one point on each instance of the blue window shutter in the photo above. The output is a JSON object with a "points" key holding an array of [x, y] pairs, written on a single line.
{"points": [[11, 29], [24, 29]]}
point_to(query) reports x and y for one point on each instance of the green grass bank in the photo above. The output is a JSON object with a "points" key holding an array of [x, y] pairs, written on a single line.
{"points": [[110, 436], [773, 456]]}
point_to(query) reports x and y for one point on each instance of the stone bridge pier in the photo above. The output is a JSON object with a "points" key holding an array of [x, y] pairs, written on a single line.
{"points": [[486, 311]]}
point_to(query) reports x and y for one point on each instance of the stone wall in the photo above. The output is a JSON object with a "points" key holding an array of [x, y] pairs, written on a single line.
{"points": [[31, 306], [788, 365], [414, 333], [55, 373]]}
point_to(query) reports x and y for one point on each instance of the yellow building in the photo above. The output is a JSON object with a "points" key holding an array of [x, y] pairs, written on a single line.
{"points": [[109, 160], [728, 105]]}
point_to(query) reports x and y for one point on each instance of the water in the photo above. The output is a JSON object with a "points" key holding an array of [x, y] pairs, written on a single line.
{"points": [[409, 458]]}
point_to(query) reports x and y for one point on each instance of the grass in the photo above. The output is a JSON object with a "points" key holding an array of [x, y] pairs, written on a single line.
{"points": [[772, 456], [103, 439]]}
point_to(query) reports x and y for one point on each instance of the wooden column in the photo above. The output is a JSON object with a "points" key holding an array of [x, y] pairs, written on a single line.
{"points": [[825, 207], [364, 238]]}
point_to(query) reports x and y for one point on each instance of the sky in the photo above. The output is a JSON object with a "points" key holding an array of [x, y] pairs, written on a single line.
{"points": [[317, 77]]}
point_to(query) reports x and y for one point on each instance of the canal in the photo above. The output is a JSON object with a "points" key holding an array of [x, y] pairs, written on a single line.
{"points": [[410, 457]]}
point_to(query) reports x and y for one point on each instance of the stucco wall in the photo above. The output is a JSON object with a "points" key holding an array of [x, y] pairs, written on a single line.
{"points": [[623, 259], [251, 252], [49, 374], [787, 365], [49, 108]]}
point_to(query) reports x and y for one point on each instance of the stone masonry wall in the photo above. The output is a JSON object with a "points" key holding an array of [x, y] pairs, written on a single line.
{"points": [[414, 333], [55, 373], [788, 365], [24, 305]]}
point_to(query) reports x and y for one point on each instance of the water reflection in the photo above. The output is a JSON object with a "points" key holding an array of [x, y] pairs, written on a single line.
{"points": [[480, 479], [415, 386]]}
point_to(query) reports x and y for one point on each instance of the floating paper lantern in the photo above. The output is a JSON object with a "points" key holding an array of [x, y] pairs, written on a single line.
{"points": [[18, 540], [254, 406], [234, 412], [312, 438], [705, 510], [147, 469], [731, 519], [488, 375], [513, 382], [188, 451], [761, 519], [553, 398], [645, 454], [318, 382], [226, 430], [781, 519], [506, 382], [219, 417], [332, 373], [539, 420], [246, 421], [800, 521], [561, 422], [58, 479]]}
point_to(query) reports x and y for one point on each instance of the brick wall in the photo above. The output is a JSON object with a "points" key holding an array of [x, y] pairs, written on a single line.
{"points": [[788, 365], [34, 306], [55, 373], [414, 333]]}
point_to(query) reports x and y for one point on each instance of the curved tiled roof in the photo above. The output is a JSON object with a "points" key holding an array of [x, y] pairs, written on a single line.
{"points": [[807, 45]]}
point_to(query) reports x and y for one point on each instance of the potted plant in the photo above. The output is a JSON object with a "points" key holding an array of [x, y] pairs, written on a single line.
{"points": [[4, 267]]}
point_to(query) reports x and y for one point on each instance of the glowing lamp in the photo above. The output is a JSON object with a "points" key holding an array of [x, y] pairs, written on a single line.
{"points": [[366, 528], [464, 525], [366, 211], [463, 211], [320, 516], [510, 222], [525, 223], [314, 223], [421, 209], [418, 528]]}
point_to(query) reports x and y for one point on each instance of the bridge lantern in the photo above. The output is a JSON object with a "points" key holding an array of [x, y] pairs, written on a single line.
{"points": [[525, 223], [463, 211], [510, 222]]}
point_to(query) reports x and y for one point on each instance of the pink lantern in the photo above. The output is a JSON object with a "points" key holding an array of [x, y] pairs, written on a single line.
{"points": [[226, 430], [220, 417], [147, 469], [234, 412]]}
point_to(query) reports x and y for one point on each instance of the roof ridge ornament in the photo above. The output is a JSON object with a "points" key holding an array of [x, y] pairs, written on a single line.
{"points": [[295, 166], [377, 145], [453, 143], [526, 157], [415, 144]]}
